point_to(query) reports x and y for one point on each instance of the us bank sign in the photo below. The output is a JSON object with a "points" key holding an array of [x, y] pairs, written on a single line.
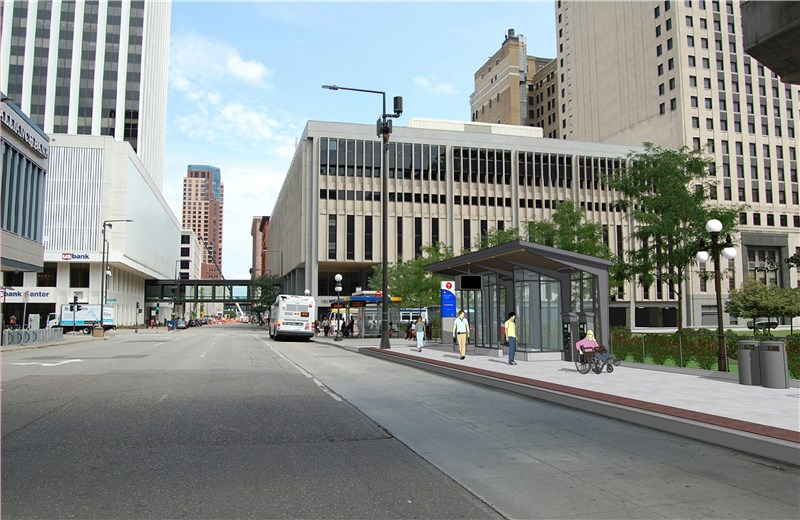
{"points": [[74, 256]]}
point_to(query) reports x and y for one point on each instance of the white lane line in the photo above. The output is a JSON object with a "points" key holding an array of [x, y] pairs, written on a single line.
{"points": [[157, 344], [317, 382], [49, 364], [164, 396], [203, 355]]}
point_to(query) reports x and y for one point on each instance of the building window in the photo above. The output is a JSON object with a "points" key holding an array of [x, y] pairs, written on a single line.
{"points": [[79, 275], [467, 231], [417, 236], [331, 237], [399, 231], [367, 238], [47, 278], [351, 237]]}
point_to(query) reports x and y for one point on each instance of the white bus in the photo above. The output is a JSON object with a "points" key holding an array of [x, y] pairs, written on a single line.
{"points": [[292, 316]]}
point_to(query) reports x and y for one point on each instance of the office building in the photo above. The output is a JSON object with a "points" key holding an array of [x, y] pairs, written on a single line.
{"points": [[449, 182], [513, 88], [203, 201], [675, 73], [92, 181], [25, 162], [91, 68], [260, 233]]}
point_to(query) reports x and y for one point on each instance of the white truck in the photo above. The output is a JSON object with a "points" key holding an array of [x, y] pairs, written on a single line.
{"points": [[81, 316]]}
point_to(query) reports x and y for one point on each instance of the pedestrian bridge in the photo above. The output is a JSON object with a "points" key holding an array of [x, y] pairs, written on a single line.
{"points": [[200, 291]]}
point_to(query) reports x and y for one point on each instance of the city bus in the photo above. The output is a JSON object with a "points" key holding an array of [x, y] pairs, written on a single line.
{"points": [[292, 317]]}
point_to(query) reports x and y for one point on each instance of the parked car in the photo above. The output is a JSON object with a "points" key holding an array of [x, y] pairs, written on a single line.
{"points": [[763, 323], [180, 324]]}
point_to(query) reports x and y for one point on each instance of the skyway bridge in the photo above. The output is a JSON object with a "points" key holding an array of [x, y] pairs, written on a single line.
{"points": [[182, 291]]}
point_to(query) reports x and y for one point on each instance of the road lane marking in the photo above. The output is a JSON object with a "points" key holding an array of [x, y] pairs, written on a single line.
{"points": [[164, 396], [49, 364], [317, 382], [203, 355]]}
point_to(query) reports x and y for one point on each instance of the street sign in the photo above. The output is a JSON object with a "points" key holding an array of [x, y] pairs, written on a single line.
{"points": [[111, 299]]}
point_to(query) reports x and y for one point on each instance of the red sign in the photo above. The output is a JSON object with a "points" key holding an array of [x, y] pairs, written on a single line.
{"points": [[448, 285], [378, 293]]}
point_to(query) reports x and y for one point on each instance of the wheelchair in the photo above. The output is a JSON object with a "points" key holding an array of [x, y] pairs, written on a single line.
{"points": [[588, 361]]}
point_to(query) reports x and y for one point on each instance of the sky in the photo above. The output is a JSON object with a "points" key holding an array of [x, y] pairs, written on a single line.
{"points": [[246, 77]]}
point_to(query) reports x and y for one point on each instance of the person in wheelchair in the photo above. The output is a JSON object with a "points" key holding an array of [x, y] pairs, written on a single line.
{"points": [[590, 345]]}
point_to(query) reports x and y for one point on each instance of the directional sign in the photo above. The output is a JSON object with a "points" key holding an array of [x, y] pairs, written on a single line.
{"points": [[448, 294]]}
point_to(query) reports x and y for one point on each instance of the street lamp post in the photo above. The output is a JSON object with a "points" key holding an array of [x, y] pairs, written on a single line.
{"points": [[338, 288], [714, 227], [104, 265], [384, 128]]}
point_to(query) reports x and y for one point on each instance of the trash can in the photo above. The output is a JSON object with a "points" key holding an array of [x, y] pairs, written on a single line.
{"points": [[749, 362], [774, 366]]}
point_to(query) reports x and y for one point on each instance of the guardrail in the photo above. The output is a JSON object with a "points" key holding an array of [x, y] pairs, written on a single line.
{"points": [[30, 336]]}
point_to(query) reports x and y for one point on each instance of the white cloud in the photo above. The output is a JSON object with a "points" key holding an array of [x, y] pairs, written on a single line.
{"points": [[196, 62], [446, 89]]}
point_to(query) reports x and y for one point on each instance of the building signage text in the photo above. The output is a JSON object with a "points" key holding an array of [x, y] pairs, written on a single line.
{"points": [[24, 133]]}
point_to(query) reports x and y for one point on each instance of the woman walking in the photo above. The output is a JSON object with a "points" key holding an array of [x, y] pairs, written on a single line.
{"points": [[420, 328]]}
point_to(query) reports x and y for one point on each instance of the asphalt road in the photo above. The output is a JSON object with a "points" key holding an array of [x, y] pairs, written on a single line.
{"points": [[203, 423], [221, 422]]}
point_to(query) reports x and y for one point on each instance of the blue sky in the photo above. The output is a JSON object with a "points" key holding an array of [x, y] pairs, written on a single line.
{"points": [[246, 77]]}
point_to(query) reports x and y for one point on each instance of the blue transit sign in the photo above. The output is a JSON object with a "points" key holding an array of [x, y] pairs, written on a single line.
{"points": [[448, 291]]}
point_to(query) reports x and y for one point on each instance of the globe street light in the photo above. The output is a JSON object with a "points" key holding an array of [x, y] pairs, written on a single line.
{"points": [[384, 128], [338, 288], [105, 272], [714, 228]]}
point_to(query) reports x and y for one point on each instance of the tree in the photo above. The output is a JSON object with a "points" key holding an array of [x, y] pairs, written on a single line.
{"points": [[269, 286], [666, 192], [410, 280], [569, 230], [757, 300], [495, 237]]}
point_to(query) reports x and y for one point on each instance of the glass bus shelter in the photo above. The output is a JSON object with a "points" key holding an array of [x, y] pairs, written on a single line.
{"points": [[557, 295]]}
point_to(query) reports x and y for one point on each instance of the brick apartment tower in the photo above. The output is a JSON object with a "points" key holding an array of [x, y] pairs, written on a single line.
{"points": [[203, 195]]}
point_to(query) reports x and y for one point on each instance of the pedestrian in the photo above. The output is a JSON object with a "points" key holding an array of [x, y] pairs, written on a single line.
{"points": [[420, 326], [12, 322], [511, 336], [461, 332], [326, 326], [410, 331]]}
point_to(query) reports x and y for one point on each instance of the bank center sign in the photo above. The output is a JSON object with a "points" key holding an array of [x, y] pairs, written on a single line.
{"points": [[28, 294]]}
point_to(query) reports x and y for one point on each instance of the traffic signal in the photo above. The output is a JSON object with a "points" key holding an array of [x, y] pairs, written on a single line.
{"points": [[75, 299]]}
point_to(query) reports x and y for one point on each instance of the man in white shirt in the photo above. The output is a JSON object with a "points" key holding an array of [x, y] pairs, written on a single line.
{"points": [[461, 332]]}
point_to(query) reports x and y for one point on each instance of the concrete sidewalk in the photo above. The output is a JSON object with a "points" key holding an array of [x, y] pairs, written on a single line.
{"points": [[704, 405]]}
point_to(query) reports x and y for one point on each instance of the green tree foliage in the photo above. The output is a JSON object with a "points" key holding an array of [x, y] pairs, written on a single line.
{"points": [[269, 288], [569, 230], [756, 300], [665, 192], [495, 237], [410, 280]]}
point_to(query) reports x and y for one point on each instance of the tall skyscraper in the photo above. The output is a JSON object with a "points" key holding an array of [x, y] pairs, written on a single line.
{"points": [[203, 194], [91, 68]]}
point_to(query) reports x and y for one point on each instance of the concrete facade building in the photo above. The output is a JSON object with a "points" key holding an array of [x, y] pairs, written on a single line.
{"points": [[449, 182], [25, 160], [203, 202], [93, 180], [675, 73], [91, 68]]}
